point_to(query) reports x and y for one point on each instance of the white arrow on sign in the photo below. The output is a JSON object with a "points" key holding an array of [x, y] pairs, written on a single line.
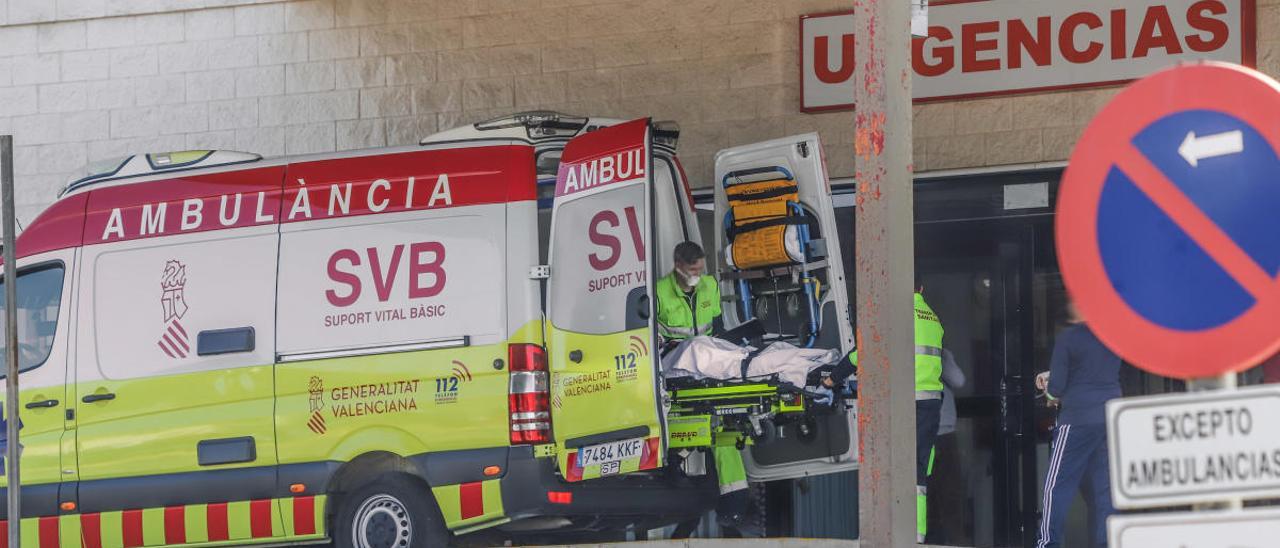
{"points": [[1194, 149]]}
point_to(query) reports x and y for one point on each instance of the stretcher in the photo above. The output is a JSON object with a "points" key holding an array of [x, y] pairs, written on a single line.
{"points": [[773, 250], [770, 415], [781, 280]]}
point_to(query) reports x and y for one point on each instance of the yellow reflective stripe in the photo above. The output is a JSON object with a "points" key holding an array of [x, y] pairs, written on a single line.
{"points": [[238, 520], [286, 514], [69, 530], [112, 526], [321, 501], [492, 498], [30, 530], [153, 526], [448, 499], [277, 521], [196, 519]]}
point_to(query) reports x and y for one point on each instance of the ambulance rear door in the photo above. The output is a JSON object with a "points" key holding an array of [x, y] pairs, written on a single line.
{"points": [[605, 384], [803, 301]]}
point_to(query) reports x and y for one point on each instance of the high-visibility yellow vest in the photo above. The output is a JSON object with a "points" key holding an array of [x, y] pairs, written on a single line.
{"points": [[928, 347], [928, 332], [675, 319]]}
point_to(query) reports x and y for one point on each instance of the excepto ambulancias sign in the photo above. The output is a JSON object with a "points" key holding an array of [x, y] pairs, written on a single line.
{"points": [[990, 47], [1174, 449]]}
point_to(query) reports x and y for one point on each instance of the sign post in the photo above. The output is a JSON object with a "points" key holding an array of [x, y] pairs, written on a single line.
{"points": [[10, 341], [1167, 244]]}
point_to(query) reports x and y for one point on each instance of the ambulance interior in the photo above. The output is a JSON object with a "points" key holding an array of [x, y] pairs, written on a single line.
{"points": [[781, 282]]}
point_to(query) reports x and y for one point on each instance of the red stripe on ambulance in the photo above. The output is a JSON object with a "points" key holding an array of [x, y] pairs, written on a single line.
{"points": [[49, 532], [202, 203], [304, 516], [307, 191], [260, 518], [471, 499], [131, 528], [175, 525], [216, 518], [91, 530]]}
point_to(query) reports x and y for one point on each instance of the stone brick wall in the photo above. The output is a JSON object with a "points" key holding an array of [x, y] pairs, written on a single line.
{"points": [[84, 80]]}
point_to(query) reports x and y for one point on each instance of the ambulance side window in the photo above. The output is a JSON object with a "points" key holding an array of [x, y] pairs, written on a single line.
{"points": [[668, 216], [39, 300]]}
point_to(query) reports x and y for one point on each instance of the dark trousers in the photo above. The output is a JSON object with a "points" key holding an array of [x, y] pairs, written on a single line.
{"points": [[1079, 458], [928, 413]]}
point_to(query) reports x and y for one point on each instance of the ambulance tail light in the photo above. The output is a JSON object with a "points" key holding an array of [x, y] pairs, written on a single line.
{"points": [[529, 394]]}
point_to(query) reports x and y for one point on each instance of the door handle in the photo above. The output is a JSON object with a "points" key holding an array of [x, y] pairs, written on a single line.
{"points": [[42, 403], [98, 397], [575, 356]]}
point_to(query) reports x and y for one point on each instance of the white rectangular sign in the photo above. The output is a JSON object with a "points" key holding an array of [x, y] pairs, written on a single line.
{"points": [[990, 47], [1235, 529], [1185, 448]]}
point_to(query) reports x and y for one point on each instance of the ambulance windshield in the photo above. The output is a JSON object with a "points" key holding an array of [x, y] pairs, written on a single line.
{"points": [[39, 298]]}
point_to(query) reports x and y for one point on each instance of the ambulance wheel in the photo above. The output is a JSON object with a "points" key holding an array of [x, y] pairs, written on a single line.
{"points": [[395, 511]]}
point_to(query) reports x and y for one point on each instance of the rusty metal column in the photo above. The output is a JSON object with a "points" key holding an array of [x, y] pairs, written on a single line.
{"points": [[885, 267]]}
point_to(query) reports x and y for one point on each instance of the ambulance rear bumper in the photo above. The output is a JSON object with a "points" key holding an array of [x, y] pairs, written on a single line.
{"points": [[531, 484]]}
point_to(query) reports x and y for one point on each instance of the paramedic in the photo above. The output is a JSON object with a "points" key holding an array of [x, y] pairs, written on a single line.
{"points": [[1083, 375], [688, 301], [689, 306], [928, 365]]}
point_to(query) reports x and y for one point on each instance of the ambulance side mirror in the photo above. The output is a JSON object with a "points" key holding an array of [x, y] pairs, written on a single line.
{"points": [[638, 308]]}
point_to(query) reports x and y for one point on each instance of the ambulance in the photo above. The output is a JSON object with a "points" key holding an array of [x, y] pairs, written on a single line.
{"points": [[403, 346]]}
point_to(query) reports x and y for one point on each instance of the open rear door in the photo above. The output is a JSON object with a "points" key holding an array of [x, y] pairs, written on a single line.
{"points": [[605, 386], [776, 231]]}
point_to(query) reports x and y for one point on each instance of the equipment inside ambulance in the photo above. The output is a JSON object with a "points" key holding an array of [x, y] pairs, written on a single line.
{"points": [[405, 344]]}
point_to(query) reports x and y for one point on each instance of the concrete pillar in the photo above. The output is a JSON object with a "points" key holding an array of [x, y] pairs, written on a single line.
{"points": [[885, 266]]}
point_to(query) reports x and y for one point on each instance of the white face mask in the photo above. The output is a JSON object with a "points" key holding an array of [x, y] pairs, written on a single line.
{"points": [[689, 279]]}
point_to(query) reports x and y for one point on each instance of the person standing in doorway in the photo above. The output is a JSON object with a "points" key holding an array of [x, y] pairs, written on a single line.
{"points": [[947, 499], [928, 373], [1083, 375]]}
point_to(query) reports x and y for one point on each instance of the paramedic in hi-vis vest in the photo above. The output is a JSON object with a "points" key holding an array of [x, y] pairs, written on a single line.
{"points": [[689, 306], [928, 331]]}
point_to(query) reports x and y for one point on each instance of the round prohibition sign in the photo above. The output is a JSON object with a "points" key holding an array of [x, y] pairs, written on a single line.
{"points": [[1168, 221]]}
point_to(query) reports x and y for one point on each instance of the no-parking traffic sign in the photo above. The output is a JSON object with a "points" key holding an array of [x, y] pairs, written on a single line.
{"points": [[1168, 221]]}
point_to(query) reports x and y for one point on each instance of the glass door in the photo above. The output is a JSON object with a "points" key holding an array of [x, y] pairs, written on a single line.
{"points": [[994, 283]]}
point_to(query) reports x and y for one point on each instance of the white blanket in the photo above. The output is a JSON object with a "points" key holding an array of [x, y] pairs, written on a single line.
{"points": [[707, 357]]}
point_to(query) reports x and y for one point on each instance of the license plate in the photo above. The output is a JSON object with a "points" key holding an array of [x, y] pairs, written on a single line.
{"points": [[614, 451]]}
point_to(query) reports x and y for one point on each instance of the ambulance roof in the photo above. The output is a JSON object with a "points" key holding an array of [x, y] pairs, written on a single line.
{"points": [[538, 126], [532, 126]]}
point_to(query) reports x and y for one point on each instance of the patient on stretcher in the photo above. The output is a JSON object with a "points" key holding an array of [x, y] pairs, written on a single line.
{"points": [[713, 358]]}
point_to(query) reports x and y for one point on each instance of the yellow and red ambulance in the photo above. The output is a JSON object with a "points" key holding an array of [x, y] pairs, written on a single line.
{"points": [[384, 347]]}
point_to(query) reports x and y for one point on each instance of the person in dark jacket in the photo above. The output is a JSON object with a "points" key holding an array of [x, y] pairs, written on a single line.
{"points": [[1083, 375]]}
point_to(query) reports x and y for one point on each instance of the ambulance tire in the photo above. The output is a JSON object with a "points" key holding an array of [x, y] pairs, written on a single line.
{"points": [[386, 512]]}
